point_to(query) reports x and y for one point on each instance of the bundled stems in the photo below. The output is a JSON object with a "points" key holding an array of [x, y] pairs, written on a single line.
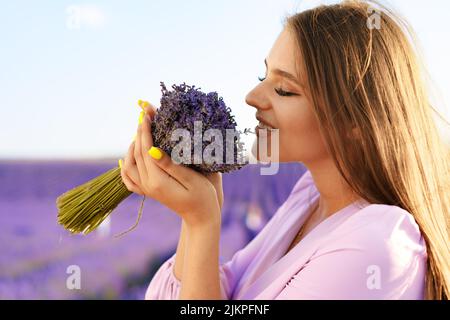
{"points": [[84, 208]]}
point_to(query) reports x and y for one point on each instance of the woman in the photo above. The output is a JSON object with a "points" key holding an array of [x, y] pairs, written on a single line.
{"points": [[368, 220]]}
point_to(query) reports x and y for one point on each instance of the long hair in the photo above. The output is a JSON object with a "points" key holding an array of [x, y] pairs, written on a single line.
{"points": [[369, 93]]}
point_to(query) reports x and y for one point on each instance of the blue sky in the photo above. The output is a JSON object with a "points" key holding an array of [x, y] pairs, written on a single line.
{"points": [[72, 71]]}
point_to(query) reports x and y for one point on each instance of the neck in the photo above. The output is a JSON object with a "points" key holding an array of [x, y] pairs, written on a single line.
{"points": [[335, 193]]}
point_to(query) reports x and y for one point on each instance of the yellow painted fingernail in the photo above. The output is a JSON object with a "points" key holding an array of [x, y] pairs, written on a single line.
{"points": [[141, 117], [120, 163], [134, 138], [143, 104], [140, 104], [155, 153]]}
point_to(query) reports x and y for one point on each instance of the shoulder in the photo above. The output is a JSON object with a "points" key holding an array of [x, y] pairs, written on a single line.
{"points": [[379, 247], [382, 226], [382, 235], [383, 223]]}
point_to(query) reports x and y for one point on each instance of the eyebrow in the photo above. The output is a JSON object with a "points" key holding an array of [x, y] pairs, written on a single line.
{"points": [[284, 74]]}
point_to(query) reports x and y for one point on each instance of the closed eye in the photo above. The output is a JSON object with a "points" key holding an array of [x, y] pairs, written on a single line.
{"points": [[283, 93], [280, 91]]}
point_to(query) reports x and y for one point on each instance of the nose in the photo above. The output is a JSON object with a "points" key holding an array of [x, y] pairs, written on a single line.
{"points": [[257, 99]]}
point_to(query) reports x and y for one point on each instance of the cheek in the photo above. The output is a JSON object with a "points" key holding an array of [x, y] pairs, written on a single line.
{"points": [[300, 138]]}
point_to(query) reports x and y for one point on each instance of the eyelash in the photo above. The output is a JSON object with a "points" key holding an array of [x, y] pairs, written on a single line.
{"points": [[280, 91]]}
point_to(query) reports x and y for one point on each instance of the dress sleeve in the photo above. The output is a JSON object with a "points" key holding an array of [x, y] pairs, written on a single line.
{"points": [[165, 286], [386, 260]]}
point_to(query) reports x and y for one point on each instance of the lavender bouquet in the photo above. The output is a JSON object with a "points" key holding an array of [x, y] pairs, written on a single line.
{"points": [[84, 208]]}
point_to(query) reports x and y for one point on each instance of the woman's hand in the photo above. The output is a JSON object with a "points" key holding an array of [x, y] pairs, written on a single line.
{"points": [[196, 198]]}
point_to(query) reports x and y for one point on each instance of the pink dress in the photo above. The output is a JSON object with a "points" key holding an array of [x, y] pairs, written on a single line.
{"points": [[363, 251]]}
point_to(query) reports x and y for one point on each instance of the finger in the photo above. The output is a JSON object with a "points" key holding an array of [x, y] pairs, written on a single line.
{"points": [[160, 181], [159, 184], [149, 108], [129, 166], [146, 142], [215, 178], [143, 172], [131, 186], [178, 171], [129, 157]]}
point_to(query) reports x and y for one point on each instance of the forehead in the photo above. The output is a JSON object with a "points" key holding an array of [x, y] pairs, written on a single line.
{"points": [[284, 53]]}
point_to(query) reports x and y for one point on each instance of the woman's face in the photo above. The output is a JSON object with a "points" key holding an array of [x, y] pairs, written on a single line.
{"points": [[281, 101]]}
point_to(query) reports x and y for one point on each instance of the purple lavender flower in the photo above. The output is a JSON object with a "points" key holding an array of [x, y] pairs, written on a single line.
{"points": [[180, 109]]}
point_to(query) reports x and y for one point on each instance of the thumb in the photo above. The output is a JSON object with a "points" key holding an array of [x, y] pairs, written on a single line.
{"points": [[178, 171]]}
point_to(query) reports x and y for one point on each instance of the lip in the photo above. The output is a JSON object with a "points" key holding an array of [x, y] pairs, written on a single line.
{"points": [[264, 121]]}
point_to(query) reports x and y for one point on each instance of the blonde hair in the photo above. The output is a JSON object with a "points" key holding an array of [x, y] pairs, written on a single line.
{"points": [[369, 94]]}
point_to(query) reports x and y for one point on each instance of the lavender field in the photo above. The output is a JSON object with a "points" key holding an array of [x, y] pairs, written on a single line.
{"points": [[35, 251]]}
